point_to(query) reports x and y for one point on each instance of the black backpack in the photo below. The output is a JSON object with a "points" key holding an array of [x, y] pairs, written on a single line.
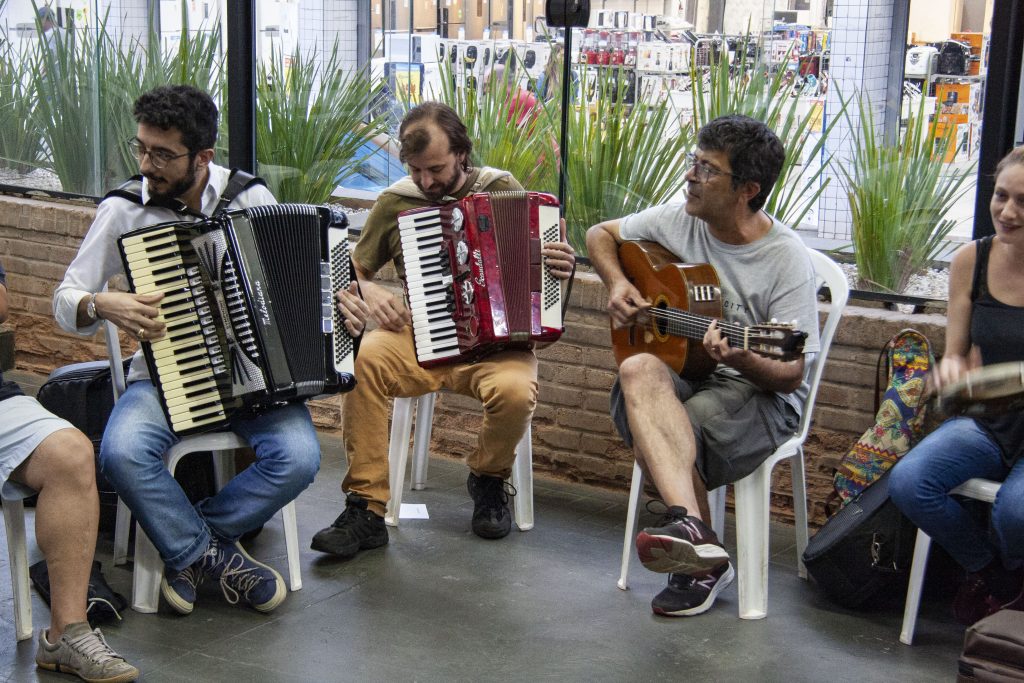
{"points": [[238, 181], [863, 552]]}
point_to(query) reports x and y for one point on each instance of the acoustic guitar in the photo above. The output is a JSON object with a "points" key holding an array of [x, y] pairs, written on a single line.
{"points": [[685, 298]]}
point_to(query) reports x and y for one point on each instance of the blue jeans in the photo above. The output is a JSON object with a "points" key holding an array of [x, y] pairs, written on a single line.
{"points": [[955, 452], [131, 458]]}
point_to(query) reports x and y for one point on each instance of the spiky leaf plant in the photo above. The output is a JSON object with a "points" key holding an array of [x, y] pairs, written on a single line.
{"points": [[310, 124], [20, 140], [900, 195], [622, 158]]}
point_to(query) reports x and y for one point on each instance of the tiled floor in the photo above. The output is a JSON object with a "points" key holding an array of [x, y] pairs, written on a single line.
{"points": [[439, 604]]}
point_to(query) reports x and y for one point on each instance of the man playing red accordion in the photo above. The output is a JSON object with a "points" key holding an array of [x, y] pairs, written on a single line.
{"points": [[436, 149]]}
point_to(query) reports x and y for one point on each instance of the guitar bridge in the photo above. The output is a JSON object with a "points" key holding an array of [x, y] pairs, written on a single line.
{"points": [[704, 293]]}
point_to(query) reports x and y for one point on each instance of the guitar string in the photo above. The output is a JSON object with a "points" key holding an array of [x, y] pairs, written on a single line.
{"points": [[694, 326]]}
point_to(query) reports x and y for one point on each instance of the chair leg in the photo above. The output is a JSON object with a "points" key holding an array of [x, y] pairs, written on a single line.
{"points": [[122, 530], [796, 466], [223, 468], [922, 546], [398, 456], [291, 542], [752, 542], [147, 574], [17, 552], [716, 504], [421, 440], [522, 480], [632, 516]]}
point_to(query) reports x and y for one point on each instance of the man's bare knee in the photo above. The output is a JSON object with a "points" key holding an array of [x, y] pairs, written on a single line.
{"points": [[64, 458], [642, 371]]}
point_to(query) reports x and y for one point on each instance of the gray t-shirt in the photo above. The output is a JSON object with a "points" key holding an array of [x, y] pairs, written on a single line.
{"points": [[771, 278]]}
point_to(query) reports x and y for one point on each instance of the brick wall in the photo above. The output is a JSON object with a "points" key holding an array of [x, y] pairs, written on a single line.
{"points": [[573, 435]]}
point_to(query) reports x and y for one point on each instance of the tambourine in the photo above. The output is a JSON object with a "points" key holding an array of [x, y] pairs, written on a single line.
{"points": [[989, 390]]}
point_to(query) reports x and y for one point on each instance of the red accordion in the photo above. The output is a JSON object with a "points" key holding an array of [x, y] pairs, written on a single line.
{"points": [[476, 281]]}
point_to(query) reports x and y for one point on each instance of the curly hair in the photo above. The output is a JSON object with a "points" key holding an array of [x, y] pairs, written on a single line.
{"points": [[182, 107], [417, 139], [755, 153]]}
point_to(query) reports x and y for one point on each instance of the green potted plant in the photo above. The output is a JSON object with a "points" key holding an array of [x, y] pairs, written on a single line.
{"points": [[899, 196], [311, 121], [20, 141]]}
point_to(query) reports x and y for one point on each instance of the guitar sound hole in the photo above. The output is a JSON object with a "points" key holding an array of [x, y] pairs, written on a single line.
{"points": [[660, 321]]}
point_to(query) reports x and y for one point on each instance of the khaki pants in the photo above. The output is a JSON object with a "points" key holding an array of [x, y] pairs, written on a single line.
{"points": [[506, 384]]}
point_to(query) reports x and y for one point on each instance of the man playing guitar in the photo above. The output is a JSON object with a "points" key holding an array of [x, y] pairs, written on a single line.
{"points": [[724, 425]]}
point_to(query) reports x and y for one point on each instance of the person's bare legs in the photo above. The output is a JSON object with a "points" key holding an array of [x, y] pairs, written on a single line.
{"points": [[663, 440], [63, 470]]}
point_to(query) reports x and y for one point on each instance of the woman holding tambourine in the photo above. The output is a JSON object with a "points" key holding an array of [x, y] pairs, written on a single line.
{"points": [[981, 379]]}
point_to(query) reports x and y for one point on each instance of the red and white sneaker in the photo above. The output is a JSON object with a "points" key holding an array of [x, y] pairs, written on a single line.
{"points": [[683, 544]]}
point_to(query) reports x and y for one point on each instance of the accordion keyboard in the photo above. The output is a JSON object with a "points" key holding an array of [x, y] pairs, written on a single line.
{"points": [[189, 357], [428, 281]]}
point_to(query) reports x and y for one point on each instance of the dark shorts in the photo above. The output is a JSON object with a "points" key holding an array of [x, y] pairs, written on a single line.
{"points": [[735, 424]]}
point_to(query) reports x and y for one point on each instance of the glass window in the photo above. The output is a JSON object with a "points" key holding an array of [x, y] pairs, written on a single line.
{"points": [[314, 137], [69, 70], [944, 76]]}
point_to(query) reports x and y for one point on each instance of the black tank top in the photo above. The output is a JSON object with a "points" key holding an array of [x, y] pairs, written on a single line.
{"points": [[998, 331]]}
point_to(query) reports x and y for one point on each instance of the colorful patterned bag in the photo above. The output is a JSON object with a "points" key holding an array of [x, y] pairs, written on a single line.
{"points": [[899, 417]]}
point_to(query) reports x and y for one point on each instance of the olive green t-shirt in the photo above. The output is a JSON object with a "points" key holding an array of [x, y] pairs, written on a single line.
{"points": [[380, 243]]}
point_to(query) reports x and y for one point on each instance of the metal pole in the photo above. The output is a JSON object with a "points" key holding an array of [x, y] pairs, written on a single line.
{"points": [[241, 23], [566, 93]]}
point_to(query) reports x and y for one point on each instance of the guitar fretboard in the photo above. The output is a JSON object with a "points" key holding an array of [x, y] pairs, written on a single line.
{"points": [[680, 323]]}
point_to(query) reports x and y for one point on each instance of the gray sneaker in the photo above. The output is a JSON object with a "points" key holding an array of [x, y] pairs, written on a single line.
{"points": [[85, 653]]}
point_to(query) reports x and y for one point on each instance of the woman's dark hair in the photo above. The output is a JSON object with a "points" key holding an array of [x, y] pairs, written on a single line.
{"points": [[189, 110], [414, 141], [755, 153]]}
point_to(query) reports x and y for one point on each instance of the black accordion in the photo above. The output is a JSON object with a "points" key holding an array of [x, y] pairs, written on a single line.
{"points": [[249, 309]]}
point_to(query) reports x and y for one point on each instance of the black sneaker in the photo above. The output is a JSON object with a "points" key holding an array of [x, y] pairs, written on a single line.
{"points": [[491, 516], [688, 595], [680, 544], [355, 529]]}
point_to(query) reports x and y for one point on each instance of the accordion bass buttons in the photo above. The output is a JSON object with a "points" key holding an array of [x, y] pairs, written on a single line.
{"points": [[467, 292]]}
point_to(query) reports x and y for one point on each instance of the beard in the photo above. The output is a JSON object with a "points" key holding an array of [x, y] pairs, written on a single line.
{"points": [[177, 189], [458, 177]]}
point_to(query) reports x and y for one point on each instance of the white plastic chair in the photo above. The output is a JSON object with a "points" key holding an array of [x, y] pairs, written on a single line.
{"points": [[752, 493], [149, 567], [978, 489], [398, 456], [13, 496]]}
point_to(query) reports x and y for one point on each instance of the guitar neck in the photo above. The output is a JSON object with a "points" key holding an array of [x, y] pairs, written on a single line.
{"points": [[680, 323]]}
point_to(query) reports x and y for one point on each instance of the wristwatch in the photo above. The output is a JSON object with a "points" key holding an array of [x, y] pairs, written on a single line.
{"points": [[90, 309]]}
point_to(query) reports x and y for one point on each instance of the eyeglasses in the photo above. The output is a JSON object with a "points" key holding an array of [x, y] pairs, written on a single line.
{"points": [[157, 157], [703, 170]]}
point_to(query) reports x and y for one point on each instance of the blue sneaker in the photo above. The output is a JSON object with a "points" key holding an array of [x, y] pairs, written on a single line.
{"points": [[179, 588], [239, 575], [242, 577]]}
